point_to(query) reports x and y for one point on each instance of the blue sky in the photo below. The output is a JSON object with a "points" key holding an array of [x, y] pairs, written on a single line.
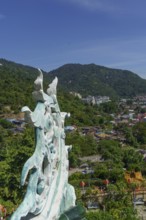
{"points": [[49, 33]]}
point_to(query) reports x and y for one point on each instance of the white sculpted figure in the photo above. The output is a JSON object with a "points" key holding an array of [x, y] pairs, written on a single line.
{"points": [[48, 192]]}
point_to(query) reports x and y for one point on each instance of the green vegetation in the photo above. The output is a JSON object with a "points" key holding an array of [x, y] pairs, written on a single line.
{"points": [[16, 86], [14, 151], [113, 213], [99, 80]]}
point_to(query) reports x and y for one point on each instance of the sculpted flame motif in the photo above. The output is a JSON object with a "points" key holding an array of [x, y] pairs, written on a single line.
{"points": [[48, 192]]}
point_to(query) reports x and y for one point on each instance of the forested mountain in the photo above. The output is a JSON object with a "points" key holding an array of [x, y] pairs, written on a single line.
{"points": [[16, 87], [98, 80], [16, 82], [13, 80]]}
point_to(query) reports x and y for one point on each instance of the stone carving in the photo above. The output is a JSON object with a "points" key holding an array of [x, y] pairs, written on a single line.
{"points": [[48, 193]]}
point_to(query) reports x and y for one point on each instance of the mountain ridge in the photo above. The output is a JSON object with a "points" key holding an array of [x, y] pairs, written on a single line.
{"points": [[86, 79], [99, 80]]}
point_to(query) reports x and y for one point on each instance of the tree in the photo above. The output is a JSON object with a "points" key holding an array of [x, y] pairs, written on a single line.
{"points": [[73, 160], [98, 215], [108, 149], [130, 139], [139, 132], [81, 145], [132, 159], [109, 107], [15, 150]]}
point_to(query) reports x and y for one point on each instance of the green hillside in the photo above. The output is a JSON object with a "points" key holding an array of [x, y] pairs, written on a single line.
{"points": [[16, 87], [98, 80], [16, 84]]}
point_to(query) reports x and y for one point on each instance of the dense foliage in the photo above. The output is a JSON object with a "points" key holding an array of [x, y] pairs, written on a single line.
{"points": [[16, 86], [14, 151], [99, 80]]}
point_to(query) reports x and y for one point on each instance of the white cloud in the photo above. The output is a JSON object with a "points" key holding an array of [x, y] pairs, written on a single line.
{"points": [[114, 7], [125, 63], [93, 4]]}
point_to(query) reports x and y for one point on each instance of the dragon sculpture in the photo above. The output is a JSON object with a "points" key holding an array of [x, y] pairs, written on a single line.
{"points": [[48, 193]]}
